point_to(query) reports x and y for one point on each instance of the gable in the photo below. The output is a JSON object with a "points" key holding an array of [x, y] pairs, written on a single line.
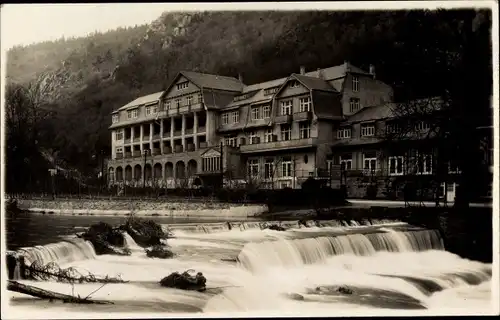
{"points": [[291, 87], [180, 86], [210, 153]]}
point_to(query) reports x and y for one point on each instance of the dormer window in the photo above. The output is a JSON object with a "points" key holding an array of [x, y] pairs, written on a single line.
{"points": [[355, 83], [354, 105], [367, 130], [286, 107], [182, 85], [305, 104], [114, 118], [256, 114], [344, 133], [148, 111], [270, 91], [189, 100], [241, 97], [294, 84]]}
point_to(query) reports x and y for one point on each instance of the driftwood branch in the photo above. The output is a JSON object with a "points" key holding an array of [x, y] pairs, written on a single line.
{"points": [[50, 295]]}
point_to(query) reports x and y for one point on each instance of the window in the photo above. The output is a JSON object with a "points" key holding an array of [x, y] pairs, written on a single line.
{"points": [[286, 167], [129, 114], [367, 130], [256, 113], [453, 166], [353, 104], [286, 107], [230, 141], [396, 165], [119, 134], [135, 113], [355, 84], [167, 105], [269, 169], [369, 163], [253, 168], [235, 116], [270, 91], [393, 127], [148, 111], [178, 103], [266, 110], [211, 164], [344, 133], [294, 84], [422, 125], [182, 85], [241, 97], [304, 130], [424, 163], [254, 139], [346, 162], [114, 118], [268, 136], [189, 100], [225, 118], [305, 104], [286, 132], [155, 109], [200, 97]]}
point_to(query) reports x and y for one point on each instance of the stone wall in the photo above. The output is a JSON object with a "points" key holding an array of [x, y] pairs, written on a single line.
{"points": [[145, 207]]}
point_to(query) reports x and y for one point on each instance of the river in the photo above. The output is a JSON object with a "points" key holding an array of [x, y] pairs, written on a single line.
{"points": [[388, 265]]}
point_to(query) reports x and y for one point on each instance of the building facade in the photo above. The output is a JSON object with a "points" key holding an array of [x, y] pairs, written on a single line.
{"points": [[273, 134]]}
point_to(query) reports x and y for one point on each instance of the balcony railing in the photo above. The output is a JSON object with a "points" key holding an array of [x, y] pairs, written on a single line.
{"points": [[278, 145], [166, 134], [119, 155], [128, 154], [156, 151], [178, 148], [202, 129], [156, 136], [127, 141], [283, 119], [145, 137], [167, 150], [137, 139], [302, 116], [188, 131], [136, 153], [177, 133]]}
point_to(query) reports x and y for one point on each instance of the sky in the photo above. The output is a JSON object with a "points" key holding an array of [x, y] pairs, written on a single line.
{"points": [[24, 24]]}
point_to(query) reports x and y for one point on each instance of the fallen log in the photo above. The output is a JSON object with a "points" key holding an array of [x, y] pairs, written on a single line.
{"points": [[50, 295]]}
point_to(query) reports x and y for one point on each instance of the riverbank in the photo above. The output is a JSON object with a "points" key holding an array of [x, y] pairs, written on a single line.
{"points": [[119, 207]]}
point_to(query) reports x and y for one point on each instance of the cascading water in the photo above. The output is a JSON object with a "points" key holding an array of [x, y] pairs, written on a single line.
{"points": [[60, 252], [387, 264]]}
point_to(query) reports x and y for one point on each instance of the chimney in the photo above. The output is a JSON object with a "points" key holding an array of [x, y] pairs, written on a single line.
{"points": [[320, 73], [347, 66], [240, 77], [372, 70], [302, 70]]}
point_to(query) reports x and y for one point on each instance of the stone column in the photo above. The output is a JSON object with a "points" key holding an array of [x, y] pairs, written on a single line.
{"points": [[208, 127], [141, 137], [195, 131], [183, 132], [172, 133], [161, 136], [151, 127]]}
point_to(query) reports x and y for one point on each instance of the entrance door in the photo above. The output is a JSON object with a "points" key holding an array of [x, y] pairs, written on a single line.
{"points": [[450, 192]]}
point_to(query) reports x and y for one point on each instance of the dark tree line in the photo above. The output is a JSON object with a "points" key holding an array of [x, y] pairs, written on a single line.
{"points": [[420, 53]]}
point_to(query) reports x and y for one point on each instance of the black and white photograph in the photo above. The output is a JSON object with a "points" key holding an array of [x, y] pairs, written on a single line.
{"points": [[278, 159]]}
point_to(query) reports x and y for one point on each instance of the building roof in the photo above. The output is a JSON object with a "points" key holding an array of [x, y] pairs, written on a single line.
{"points": [[313, 83], [382, 111], [150, 98], [212, 81]]}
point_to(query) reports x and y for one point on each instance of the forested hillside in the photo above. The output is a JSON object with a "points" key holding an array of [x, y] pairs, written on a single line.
{"points": [[84, 79]]}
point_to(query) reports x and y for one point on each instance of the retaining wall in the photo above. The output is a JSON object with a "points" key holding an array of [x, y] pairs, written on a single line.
{"points": [[140, 208]]}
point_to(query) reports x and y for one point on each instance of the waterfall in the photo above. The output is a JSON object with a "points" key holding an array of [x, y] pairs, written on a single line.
{"points": [[296, 252], [130, 242], [59, 252]]}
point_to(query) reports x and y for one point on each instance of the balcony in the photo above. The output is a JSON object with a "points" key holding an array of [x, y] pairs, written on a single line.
{"points": [[202, 129], [145, 137], [302, 116], [178, 149], [156, 136], [185, 109], [167, 150], [156, 151], [188, 131], [126, 141], [190, 147], [177, 133], [287, 118], [128, 154], [279, 145], [166, 134], [136, 153], [137, 139], [119, 155]]}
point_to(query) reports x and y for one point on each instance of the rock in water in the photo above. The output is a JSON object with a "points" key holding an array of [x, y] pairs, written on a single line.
{"points": [[159, 251], [185, 281]]}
